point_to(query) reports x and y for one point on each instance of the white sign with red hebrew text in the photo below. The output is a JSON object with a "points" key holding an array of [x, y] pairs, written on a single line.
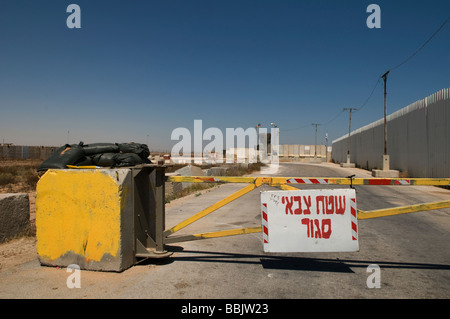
{"points": [[309, 220]]}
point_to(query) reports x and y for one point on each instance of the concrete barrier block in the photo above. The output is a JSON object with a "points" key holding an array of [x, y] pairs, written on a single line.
{"points": [[14, 215], [385, 173], [217, 171], [85, 217], [173, 187], [189, 170]]}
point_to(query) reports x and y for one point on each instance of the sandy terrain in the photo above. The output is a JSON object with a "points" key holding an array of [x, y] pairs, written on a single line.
{"points": [[19, 250]]}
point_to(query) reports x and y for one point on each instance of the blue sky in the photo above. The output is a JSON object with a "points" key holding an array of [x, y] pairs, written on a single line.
{"points": [[136, 70]]}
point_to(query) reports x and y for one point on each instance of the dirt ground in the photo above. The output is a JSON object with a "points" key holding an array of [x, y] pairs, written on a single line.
{"points": [[19, 250]]}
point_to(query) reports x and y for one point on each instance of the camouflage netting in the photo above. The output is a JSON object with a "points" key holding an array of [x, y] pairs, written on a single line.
{"points": [[97, 154]]}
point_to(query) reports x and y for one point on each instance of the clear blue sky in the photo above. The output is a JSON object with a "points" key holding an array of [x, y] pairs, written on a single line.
{"points": [[139, 68]]}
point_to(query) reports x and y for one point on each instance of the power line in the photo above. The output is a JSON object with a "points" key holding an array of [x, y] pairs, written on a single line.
{"points": [[296, 128], [384, 77], [405, 61], [334, 118], [423, 45], [381, 77], [326, 123], [370, 95]]}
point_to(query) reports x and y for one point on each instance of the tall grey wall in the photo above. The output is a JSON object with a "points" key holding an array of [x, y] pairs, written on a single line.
{"points": [[418, 139]]}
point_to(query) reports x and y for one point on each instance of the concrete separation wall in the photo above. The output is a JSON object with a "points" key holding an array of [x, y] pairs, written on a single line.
{"points": [[304, 153], [14, 215], [417, 139]]}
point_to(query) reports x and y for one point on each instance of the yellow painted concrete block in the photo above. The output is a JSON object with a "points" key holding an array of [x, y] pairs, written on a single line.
{"points": [[85, 217]]}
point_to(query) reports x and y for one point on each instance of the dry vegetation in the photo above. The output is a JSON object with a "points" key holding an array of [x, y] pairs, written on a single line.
{"points": [[18, 176]]}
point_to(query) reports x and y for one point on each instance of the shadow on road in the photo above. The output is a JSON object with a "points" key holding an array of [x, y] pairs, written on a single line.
{"points": [[289, 262]]}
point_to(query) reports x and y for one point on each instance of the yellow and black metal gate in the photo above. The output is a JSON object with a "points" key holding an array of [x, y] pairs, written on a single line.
{"points": [[107, 218], [287, 183]]}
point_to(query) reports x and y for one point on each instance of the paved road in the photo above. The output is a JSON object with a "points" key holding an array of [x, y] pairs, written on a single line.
{"points": [[411, 250]]}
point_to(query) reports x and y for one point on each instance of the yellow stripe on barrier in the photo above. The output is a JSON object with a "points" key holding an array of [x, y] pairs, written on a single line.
{"points": [[276, 181], [82, 167], [287, 187], [229, 232], [211, 179], [402, 210]]}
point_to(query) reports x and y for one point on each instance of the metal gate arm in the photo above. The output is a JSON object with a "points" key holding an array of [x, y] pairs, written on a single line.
{"points": [[210, 209], [211, 179], [402, 210], [216, 234]]}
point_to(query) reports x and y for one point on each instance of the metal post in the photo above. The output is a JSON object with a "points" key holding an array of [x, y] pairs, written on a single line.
{"points": [[384, 76], [149, 210], [315, 146], [349, 130], [160, 209]]}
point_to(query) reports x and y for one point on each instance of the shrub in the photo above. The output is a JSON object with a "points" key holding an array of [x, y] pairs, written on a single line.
{"points": [[6, 178]]}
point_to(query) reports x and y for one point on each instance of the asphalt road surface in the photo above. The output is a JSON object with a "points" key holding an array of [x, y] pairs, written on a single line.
{"points": [[411, 251]]}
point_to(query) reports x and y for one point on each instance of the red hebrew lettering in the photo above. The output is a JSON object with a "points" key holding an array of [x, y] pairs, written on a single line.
{"points": [[305, 221], [340, 205], [317, 233], [316, 228], [326, 222], [288, 204], [307, 201], [330, 204], [298, 210], [320, 199]]}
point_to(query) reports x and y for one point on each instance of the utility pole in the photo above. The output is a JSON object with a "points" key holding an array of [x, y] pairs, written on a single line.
{"points": [[386, 170], [315, 147], [349, 130], [384, 76]]}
